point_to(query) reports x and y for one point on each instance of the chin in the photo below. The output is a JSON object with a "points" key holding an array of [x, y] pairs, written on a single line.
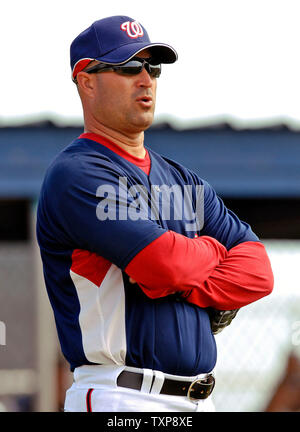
{"points": [[139, 121], [147, 120]]}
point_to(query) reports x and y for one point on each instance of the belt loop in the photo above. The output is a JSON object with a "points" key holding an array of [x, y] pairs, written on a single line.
{"points": [[159, 379], [147, 380]]}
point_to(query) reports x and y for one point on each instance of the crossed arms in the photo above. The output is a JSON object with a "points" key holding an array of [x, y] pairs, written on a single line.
{"points": [[227, 267], [203, 270]]}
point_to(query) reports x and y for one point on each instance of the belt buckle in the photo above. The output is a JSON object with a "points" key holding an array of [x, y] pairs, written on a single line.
{"points": [[201, 388]]}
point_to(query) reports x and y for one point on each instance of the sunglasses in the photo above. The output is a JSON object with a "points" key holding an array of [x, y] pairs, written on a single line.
{"points": [[132, 67]]}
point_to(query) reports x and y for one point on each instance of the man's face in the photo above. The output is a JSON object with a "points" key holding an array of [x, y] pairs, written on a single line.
{"points": [[125, 103]]}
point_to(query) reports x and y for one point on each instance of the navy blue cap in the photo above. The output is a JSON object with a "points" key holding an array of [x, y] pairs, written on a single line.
{"points": [[114, 40]]}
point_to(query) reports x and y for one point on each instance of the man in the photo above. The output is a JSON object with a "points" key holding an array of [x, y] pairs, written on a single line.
{"points": [[138, 251]]}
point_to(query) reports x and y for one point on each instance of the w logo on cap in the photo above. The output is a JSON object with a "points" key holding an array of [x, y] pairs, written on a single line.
{"points": [[133, 29]]}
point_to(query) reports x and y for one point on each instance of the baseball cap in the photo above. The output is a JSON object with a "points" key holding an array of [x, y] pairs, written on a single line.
{"points": [[115, 40]]}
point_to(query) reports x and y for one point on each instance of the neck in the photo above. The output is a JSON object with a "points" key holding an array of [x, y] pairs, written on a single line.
{"points": [[132, 144]]}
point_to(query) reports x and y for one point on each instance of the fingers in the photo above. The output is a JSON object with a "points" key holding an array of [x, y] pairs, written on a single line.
{"points": [[132, 280]]}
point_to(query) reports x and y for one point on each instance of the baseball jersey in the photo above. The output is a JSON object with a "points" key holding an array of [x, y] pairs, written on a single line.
{"points": [[99, 208]]}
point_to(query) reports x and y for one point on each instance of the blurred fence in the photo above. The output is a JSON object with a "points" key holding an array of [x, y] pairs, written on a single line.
{"points": [[18, 312], [252, 352]]}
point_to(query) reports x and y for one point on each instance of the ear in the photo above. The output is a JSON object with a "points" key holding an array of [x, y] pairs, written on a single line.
{"points": [[86, 83]]}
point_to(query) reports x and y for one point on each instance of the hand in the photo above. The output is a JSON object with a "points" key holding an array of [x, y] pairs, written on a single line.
{"points": [[132, 280], [219, 319]]}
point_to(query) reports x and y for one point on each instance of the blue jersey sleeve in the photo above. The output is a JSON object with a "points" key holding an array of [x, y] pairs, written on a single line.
{"points": [[221, 223], [83, 204], [214, 218]]}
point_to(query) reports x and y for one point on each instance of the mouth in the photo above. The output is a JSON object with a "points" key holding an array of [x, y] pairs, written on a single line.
{"points": [[145, 101]]}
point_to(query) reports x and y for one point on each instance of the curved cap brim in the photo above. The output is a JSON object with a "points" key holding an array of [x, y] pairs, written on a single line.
{"points": [[163, 53]]}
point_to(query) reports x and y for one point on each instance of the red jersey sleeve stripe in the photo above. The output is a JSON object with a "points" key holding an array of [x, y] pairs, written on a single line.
{"points": [[90, 265]]}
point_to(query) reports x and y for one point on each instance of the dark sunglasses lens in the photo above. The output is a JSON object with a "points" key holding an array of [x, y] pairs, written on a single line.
{"points": [[135, 67], [155, 70], [131, 68]]}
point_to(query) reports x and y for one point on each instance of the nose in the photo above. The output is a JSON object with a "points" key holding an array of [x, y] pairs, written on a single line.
{"points": [[144, 79]]}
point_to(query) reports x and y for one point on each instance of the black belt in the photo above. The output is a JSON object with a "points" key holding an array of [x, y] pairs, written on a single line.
{"points": [[199, 389]]}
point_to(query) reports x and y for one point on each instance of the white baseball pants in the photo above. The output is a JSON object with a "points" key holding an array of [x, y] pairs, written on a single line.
{"points": [[95, 389]]}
